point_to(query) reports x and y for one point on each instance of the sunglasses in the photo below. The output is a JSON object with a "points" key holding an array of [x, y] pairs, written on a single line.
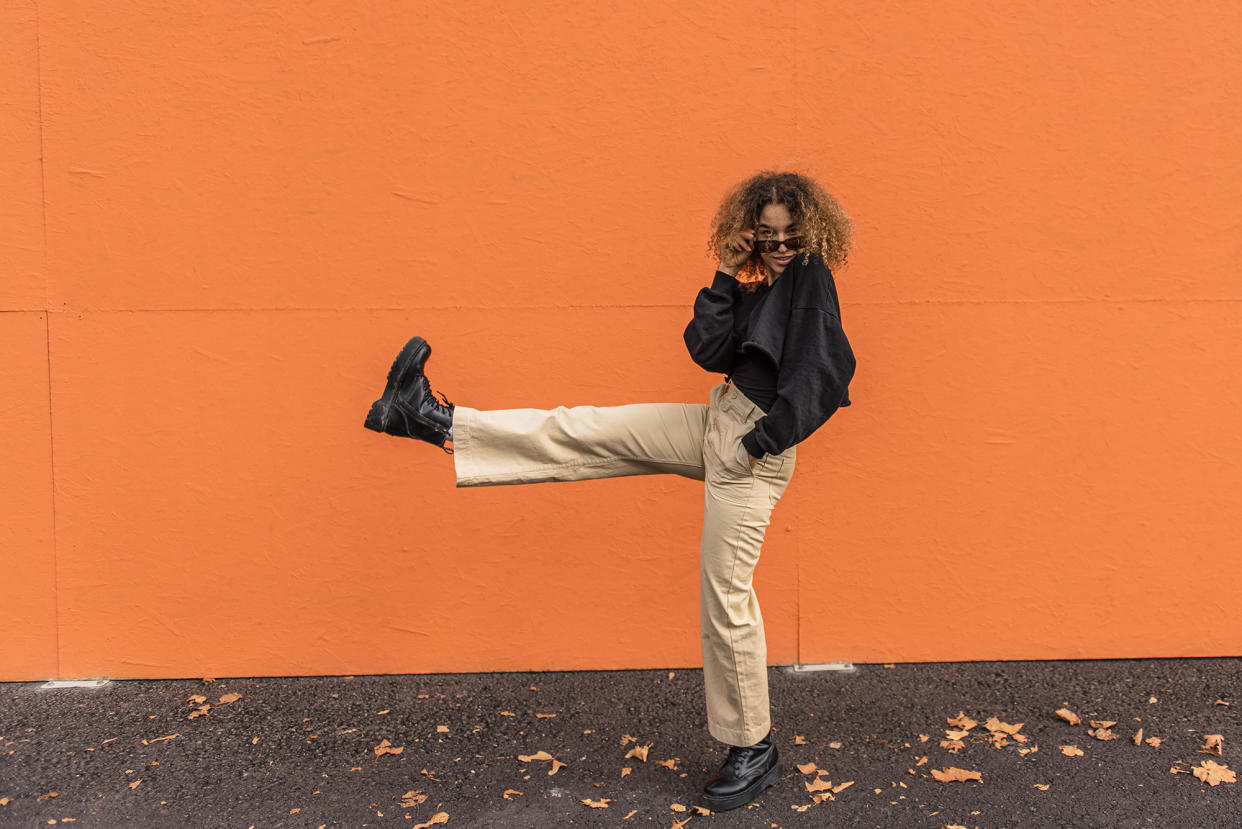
{"points": [[773, 245]]}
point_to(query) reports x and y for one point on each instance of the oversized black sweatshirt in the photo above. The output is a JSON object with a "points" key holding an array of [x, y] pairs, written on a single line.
{"points": [[796, 330]]}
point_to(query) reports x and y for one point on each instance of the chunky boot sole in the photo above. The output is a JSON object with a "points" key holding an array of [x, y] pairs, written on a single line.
{"points": [[413, 356], [723, 804]]}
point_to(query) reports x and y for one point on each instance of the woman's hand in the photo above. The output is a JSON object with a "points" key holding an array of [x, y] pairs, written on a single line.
{"points": [[735, 250], [753, 460]]}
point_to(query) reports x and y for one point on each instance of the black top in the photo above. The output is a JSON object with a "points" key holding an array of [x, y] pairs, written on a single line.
{"points": [[782, 346]]}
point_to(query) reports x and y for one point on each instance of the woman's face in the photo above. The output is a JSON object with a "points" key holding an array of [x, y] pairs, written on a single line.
{"points": [[776, 223]]}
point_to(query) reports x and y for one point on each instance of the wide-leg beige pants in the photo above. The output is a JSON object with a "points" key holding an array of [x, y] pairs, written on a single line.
{"points": [[517, 446]]}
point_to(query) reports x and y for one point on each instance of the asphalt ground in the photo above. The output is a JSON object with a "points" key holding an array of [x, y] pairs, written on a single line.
{"points": [[312, 751]]}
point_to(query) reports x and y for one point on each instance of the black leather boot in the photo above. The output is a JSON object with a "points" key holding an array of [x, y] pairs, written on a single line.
{"points": [[408, 408], [746, 772]]}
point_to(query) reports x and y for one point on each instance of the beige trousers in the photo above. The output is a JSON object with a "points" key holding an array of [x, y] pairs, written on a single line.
{"points": [[517, 446]]}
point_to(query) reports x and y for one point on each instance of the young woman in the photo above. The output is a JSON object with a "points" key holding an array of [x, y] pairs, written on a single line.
{"points": [[770, 322]]}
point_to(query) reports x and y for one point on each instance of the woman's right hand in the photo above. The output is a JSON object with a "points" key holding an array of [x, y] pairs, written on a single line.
{"points": [[735, 250]]}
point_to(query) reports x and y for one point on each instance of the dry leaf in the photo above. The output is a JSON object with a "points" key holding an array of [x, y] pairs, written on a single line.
{"points": [[442, 729], [1043, 787], [602, 803], [1071, 751], [1221, 702], [1102, 734], [543, 716], [954, 734], [639, 752], [412, 798], [677, 807], [677, 824], [430, 775], [386, 748], [954, 774], [1068, 715], [1154, 742], [196, 699], [819, 784], [1212, 744], [626, 738], [962, 721], [997, 727], [801, 808], [668, 764], [134, 785], [227, 698], [511, 791], [507, 714], [806, 768], [1138, 737], [438, 817], [834, 745], [799, 740], [625, 770], [952, 746], [1103, 723], [1214, 773]]}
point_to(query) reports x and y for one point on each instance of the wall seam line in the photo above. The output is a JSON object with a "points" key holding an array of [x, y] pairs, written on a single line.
{"points": [[47, 329]]}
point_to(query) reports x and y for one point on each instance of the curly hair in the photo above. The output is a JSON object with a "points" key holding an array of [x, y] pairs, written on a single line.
{"points": [[820, 220]]}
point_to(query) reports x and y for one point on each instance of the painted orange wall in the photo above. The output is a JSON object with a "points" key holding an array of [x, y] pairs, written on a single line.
{"points": [[219, 226]]}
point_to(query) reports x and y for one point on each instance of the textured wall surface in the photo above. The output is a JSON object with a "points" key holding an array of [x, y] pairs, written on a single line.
{"points": [[221, 223]]}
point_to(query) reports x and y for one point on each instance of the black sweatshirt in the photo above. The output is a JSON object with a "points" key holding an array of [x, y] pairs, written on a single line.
{"points": [[785, 345]]}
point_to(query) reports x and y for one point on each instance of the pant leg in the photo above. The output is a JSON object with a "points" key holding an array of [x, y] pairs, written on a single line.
{"points": [[517, 446], [738, 503]]}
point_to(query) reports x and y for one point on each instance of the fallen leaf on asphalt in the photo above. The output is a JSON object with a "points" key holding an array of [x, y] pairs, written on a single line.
{"points": [[639, 752], [203, 709], [952, 746], [1214, 773], [819, 784], [631, 814], [430, 775], [1071, 751], [1043, 787], [438, 817], [543, 716], [1212, 744], [954, 774], [44, 797], [602, 803], [412, 798], [1068, 715], [1154, 742], [174, 736], [677, 824], [543, 755], [625, 770], [1176, 770], [1138, 737], [507, 714], [953, 826], [801, 808], [924, 738], [996, 726], [962, 721], [626, 738], [701, 810], [511, 791], [806, 768], [668, 764], [386, 748], [677, 807], [196, 699], [921, 760], [134, 785], [227, 698], [207, 680], [5, 801], [1103, 723], [955, 734], [1221, 702], [799, 740], [834, 745], [1027, 750], [1102, 734]]}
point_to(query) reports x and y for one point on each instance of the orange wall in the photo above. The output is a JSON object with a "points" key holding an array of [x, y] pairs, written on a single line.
{"points": [[218, 227]]}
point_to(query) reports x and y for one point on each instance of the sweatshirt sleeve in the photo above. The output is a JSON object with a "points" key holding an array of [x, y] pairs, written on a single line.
{"points": [[709, 336], [811, 384]]}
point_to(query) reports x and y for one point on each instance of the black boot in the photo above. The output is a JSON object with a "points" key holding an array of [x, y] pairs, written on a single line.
{"points": [[408, 408], [746, 772]]}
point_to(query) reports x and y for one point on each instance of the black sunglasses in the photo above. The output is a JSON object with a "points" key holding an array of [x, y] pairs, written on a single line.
{"points": [[773, 245]]}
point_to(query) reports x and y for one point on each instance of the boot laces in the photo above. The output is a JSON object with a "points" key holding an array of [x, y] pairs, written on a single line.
{"points": [[442, 403]]}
